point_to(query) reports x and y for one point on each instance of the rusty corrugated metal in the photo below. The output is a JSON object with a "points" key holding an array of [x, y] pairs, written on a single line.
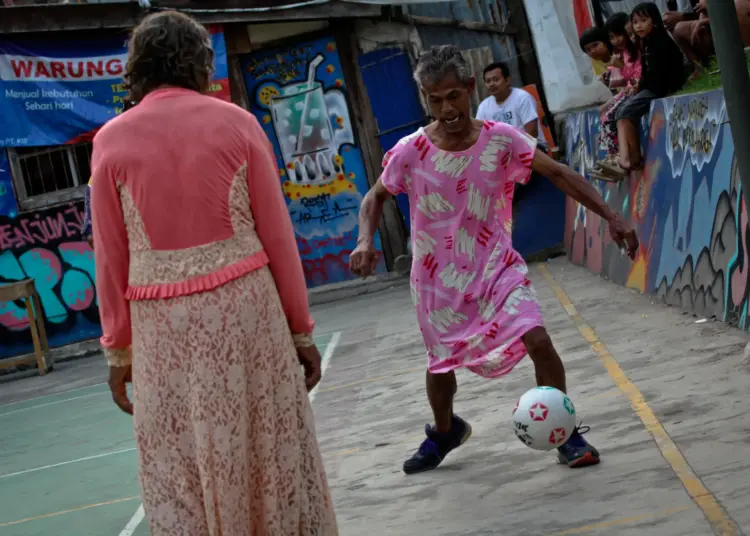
{"points": [[494, 12]]}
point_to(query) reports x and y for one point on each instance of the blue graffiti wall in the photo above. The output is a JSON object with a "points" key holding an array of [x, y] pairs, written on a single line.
{"points": [[299, 96], [47, 246], [686, 205]]}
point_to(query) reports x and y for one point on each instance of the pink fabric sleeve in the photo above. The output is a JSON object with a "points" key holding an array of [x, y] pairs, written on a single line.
{"points": [[393, 171], [112, 260], [519, 152], [274, 227]]}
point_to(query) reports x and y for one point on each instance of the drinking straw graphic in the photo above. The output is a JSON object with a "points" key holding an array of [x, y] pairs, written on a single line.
{"points": [[317, 60]]}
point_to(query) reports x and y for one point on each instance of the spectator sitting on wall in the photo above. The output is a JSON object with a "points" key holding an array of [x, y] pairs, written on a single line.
{"points": [[595, 42], [663, 72], [692, 32], [510, 105]]}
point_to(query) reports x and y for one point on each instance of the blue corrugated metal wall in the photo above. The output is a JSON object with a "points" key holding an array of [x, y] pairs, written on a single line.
{"points": [[488, 11]]}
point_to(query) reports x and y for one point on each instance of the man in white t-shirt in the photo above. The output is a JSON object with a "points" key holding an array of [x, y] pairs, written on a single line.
{"points": [[509, 105]]}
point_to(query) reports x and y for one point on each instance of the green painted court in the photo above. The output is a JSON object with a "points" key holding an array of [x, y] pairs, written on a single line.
{"points": [[68, 464]]}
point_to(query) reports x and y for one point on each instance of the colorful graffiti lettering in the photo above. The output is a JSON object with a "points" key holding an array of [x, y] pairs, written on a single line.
{"points": [[47, 247], [686, 205], [299, 96]]}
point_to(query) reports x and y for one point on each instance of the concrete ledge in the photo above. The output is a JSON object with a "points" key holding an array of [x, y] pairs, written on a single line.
{"points": [[349, 289]]}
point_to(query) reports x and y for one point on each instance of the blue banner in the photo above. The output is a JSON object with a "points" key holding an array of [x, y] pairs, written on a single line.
{"points": [[7, 199], [55, 92]]}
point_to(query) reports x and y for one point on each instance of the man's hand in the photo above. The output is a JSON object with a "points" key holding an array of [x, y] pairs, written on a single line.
{"points": [[671, 18], [119, 378], [623, 235], [309, 358], [364, 259]]}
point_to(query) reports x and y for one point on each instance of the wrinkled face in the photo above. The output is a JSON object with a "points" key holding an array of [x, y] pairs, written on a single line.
{"points": [[598, 51], [450, 103], [496, 82], [642, 25], [618, 41]]}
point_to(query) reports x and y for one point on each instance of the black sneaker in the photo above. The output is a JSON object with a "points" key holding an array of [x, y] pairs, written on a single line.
{"points": [[436, 447], [577, 452]]}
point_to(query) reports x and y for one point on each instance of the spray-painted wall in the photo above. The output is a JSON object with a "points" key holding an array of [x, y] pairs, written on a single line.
{"points": [[686, 205], [47, 247], [299, 95]]}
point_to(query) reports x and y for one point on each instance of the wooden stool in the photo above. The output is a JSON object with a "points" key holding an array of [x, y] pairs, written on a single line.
{"points": [[26, 291]]}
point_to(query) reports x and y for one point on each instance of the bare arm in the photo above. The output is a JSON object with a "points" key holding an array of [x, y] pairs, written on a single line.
{"points": [[364, 258], [532, 128], [370, 212], [572, 184], [581, 190]]}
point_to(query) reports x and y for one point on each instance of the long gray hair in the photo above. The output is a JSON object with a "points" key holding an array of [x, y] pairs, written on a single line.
{"points": [[439, 62]]}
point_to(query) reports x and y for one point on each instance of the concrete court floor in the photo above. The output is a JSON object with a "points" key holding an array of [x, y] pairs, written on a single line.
{"points": [[686, 380], [636, 371]]}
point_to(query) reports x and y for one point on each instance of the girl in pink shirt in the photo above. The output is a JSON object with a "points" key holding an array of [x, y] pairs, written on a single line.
{"points": [[627, 60], [203, 302]]}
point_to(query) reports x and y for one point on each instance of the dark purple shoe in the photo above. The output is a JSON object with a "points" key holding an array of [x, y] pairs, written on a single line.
{"points": [[436, 447], [577, 452]]}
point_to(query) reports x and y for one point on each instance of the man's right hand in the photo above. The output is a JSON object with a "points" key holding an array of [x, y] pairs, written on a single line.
{"points": [[364, 259]]}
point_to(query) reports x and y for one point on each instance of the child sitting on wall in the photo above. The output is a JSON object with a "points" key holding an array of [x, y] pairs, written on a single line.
{"points": [[663, 72], [627, 59], [595, 43]]}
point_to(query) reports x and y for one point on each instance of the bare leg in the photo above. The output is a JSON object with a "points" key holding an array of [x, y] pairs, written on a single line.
{"points": [[683, 34], [576, 452], [548, 366], [630, 147], [622, 144], [441, 388]]}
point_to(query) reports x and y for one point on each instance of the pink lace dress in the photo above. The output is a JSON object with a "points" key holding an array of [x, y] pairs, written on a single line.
{"points": [[200, 285], [473, 299]]}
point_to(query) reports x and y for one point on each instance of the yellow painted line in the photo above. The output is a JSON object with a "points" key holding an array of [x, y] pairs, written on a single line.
{"points": [[701, 496], [621, 521], [86, 507]]}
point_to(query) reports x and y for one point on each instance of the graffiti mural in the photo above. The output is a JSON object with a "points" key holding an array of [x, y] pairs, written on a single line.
{"points": [[686, 204], [299, 96], [47, 246]]}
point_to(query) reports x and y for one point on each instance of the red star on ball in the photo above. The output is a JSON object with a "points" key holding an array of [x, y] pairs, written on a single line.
{"points": [[557, 435], [538, 412], [515, 409]]}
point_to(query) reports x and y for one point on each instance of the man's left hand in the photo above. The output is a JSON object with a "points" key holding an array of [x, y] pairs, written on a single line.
{"points": [[624, 235]]}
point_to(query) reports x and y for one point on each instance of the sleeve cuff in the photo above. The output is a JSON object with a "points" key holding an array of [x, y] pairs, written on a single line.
{"points": [[303, 340], [119, 357]]}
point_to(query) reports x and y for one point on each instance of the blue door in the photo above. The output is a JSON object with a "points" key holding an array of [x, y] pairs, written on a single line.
{"points": [[394, 99]]}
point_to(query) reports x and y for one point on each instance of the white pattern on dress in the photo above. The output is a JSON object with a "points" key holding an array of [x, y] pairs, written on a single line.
{"points": [[489, 156], [491, 266], [478, 205], [434, 203], [519, 294], [452, 278], [451, 164], [423, 245], [465, 243], [487, 309], [446, 317]]}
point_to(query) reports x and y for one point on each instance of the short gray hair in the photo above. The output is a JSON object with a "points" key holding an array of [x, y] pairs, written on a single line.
{"points": [[438, 62]]}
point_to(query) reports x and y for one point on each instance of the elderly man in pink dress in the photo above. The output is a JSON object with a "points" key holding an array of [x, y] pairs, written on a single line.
{"points": [[475, 304]]}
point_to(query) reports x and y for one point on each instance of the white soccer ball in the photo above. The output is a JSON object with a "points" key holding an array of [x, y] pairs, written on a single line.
{"points": [[544, 418]]}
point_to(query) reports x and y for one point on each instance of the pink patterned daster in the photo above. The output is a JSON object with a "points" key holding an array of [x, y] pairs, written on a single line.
{"points": [[473, 299]]}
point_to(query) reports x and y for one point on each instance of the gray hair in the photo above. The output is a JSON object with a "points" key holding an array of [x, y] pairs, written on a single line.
{"points": [[439, 62]]}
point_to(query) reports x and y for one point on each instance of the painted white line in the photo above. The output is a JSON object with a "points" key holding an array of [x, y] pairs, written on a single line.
{"points": [[19, 410], [332, 344], [67, 463], [134, 522], [51, 395]]}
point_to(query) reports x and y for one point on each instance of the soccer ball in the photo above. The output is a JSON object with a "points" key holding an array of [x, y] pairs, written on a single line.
{"points": [[544, 418]]}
